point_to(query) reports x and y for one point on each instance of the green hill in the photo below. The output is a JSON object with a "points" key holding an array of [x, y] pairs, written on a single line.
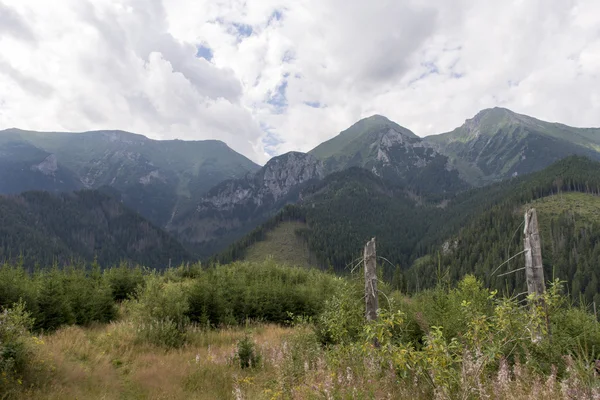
{"points": [[566, 199], [283, 245], [583, 205]]}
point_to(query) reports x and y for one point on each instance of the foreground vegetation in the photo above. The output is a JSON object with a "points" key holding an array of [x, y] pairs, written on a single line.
{"points": [[262, 331]]}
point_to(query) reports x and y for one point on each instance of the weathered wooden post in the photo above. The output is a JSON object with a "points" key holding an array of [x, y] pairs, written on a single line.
{"points": [[534, 270], [371, 297]]}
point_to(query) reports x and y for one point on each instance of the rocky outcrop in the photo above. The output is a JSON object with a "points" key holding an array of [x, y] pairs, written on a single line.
{"points": [[47, 167], [269, 185]]}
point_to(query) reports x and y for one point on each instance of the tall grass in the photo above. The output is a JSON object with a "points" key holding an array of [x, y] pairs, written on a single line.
{"points": [[262, 331]]}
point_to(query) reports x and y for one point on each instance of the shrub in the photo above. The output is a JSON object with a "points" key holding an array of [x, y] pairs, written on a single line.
{"points": [[160, 312], [232, 294], [53, 307], [15, 324], [247, 355], [89, 296], [124, 281], [342, 319]]}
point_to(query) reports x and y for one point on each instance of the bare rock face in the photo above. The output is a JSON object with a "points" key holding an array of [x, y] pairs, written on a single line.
{"points": [[270, 184], [47, 167]]}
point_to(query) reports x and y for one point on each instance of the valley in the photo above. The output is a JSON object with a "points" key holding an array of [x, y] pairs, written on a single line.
{"points": [[375, 178], [134, 268]]}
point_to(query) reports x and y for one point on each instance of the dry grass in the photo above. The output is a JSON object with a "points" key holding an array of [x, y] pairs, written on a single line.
{"points": [[106, 362]]}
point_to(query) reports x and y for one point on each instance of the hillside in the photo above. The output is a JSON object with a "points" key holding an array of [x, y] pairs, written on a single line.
{"points": [[498, 144], [43, 228], [156, 178], [237, 206], [283, 245], [470, 233], [570, 233]]}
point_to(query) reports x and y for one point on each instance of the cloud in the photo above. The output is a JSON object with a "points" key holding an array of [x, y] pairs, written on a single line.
{"points": [[269, 76], [115, 65], [30, 84], [13, 24]]}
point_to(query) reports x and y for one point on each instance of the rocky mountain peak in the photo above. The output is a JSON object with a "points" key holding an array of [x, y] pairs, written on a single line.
{"points": [[290, 169], [270, 184]]}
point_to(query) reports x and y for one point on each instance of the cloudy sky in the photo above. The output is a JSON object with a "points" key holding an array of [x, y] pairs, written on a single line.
{"points": [[270, 76]]}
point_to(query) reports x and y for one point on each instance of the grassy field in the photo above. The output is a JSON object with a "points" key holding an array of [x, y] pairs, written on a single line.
{"points": [[288, 333], [283, 246], [105, 362], [586, 207]]}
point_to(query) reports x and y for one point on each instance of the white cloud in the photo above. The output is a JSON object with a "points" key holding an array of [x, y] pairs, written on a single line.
{"points": [[288, 75]]}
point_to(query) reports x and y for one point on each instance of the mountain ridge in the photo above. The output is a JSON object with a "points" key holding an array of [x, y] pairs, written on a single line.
{"points": [[498, 143]]}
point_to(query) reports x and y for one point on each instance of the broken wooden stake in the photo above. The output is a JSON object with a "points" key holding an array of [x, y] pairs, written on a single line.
{"points": [[534, 270], [371, 297]]}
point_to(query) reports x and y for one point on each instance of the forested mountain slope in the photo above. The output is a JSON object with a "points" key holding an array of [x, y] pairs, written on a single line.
{"points": [[566, 196], [470, 233], [235, 207], [43, 228]]}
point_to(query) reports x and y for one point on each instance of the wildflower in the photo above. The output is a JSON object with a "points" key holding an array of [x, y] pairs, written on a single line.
{"points": [[197, 358], [349, 375]]}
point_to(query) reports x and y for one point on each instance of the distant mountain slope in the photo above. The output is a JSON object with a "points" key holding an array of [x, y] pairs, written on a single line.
{"points": [[567, 197], [497, 144], [468, 234], [344, 210], [155, 178], [26, 167], [235, 207], [283, 245], [391, 152], [44, 228]]}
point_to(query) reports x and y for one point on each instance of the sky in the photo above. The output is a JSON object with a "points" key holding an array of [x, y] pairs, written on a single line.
{"points": [[271, 76]]}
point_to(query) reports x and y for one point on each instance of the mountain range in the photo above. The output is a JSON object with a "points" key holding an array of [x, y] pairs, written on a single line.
{"points": [[155, 178], [374, 176]]}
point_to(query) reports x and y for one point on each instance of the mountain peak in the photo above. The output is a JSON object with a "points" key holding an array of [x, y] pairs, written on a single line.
{"points": [[498, 143], [360, 136], [492, 116], [377, 118]]}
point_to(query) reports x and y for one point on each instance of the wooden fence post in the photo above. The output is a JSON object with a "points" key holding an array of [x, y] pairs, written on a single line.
{"points": [[534, 271], [371, 296]]}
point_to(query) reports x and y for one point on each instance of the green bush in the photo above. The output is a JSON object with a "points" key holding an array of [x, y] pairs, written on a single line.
{"points": [[160, 312], [89, 296], [342, 319], [232, 294], [17, 284], [124, 281], [15, 323], [53, 306], [247, 355]]}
